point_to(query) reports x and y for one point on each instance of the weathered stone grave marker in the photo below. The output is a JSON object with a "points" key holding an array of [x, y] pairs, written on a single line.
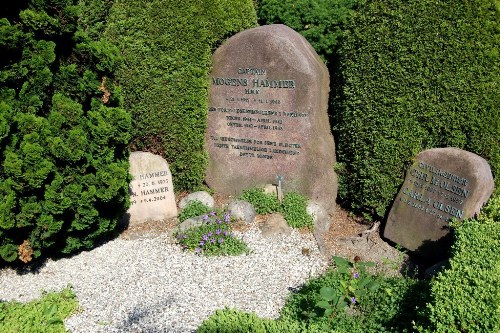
{"points": [[268, 103], [151, 191], [441, 184]]}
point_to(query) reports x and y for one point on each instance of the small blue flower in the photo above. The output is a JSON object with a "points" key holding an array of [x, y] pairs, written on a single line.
{"points": [[226, 233], [355, 275], [221, 240], [205, 237], [213, 240], [217, 232], [202, 243], [219, 221], [212, 213], [210, 234], [205, 217], [226, 217], [353, 300], [198, 249]]}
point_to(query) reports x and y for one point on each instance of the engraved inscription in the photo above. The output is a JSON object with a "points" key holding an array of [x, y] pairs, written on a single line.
{"points": [[435, 192], [150, 187]]}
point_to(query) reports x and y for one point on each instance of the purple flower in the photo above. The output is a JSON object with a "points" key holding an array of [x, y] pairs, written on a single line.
{"points": [[202, 243], [217, 232], [205, 237], [226, 233], [198, 249], [210, 234], [213, 240], [219, 221], [212, 213], [226, 217], [221, 240], [353, 300], [355, 275], [205, 217]]}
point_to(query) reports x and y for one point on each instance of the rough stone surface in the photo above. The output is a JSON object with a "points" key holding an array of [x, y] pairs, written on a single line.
{"points": [[275, 225], [242, 210], [441, 184], [268, 104], [189, 223], [151, 189], [200, 196], [322, 222], [271, 189]]}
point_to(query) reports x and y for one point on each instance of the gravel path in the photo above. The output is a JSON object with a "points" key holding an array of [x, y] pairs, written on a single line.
{"points": [[150, 285]]}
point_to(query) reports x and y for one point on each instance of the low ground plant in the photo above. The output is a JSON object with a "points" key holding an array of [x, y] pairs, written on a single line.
{"points": [[293, 207], [44, 315], [193, 209], [213, 237]]}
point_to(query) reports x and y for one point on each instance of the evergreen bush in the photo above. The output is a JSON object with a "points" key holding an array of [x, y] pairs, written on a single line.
{"points": [[416, 75], [321, 22], [466, 297], [63, 135], [167, 47]]}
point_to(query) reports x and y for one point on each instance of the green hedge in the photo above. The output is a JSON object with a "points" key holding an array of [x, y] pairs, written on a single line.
{"points": [[321, 22], [167, 47], [466, 297], [63, 149], [416, 74]]}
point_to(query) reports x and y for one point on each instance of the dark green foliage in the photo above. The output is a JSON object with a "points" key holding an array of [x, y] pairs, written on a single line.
{"points": [[294, 208], [193, 209], [390, 308], [63, 150], [167, 47], [416, 75], [466, 297], [263, 203], [321, 22]]}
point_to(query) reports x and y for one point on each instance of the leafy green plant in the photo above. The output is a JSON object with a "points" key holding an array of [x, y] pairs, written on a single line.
{"points": [[63, 134], [264, 203], [38, 316], [193, 209], [214, 237], [466, 297], [294, 208], [354, 284], [321, 22], [167, 47]]}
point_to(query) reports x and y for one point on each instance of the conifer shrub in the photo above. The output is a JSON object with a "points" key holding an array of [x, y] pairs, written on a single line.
{"points": [[321, 22], [63, 135], [415, 75], [466, 297], [167, 47]]}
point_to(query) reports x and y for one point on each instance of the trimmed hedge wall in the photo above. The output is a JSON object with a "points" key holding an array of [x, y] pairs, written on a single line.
{"points": [[167, 47], [63, 137], [466, 297], [321, 22], [416, 74]]}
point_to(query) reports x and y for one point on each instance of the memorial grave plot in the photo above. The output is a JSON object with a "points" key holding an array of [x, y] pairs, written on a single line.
{"points": [[267, 116], [441, 184]]}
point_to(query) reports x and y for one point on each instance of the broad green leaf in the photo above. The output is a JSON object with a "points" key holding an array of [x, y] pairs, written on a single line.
{"points": [[340, 261], [323, 305], [327, 293]]}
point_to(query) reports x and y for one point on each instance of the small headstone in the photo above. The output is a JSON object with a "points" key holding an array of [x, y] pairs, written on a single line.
{"points": [[200, 196], [441, 184], [151, 190], [267, 116], [242, 210]]}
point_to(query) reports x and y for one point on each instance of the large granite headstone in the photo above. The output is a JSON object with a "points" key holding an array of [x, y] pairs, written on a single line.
{"points": [[441, 184], [151, 190], [267, 116]]}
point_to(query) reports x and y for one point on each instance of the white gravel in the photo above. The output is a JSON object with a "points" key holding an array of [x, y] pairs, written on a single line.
{"points": [[150, 285]]}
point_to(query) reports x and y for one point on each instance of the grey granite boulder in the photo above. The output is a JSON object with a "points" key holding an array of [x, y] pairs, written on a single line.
{"points": [[200, 196], [242, 210]]}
